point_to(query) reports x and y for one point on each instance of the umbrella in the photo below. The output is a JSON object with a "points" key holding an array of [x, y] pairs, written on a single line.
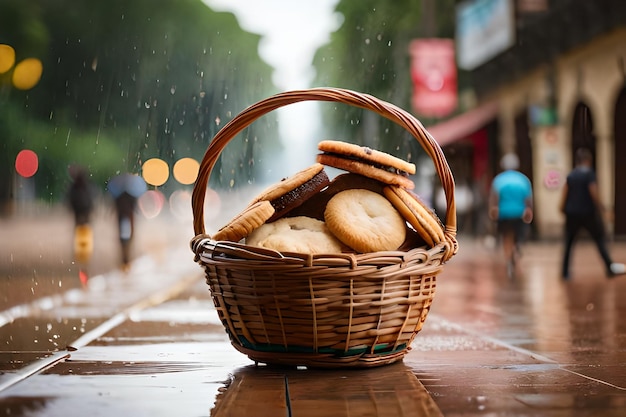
{"points": [[130, 183]]}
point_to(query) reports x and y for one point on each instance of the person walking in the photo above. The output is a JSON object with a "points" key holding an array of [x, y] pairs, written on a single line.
{"points": [[125, 204], [126, 188], [583, 210], [80, 197], [511, 207]]}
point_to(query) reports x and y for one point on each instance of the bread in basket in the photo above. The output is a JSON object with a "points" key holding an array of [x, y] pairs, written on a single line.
{"points": [[322, 310]]}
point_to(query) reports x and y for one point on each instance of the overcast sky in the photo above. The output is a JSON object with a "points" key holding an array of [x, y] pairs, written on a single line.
{"points": [[292, 31]]}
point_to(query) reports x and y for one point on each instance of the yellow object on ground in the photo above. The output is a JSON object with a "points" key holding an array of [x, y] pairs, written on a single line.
{"points": [[83, 243]]}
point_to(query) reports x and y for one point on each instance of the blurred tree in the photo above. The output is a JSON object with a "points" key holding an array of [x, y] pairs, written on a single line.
{"points": [[131, 80], [370, 53]]}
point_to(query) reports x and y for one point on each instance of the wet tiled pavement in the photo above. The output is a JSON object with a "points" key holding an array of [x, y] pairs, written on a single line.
{"points": [[148, 343], [534, 345]]}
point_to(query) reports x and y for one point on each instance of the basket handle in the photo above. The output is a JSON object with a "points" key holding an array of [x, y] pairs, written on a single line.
{"points": [[365, 101]]}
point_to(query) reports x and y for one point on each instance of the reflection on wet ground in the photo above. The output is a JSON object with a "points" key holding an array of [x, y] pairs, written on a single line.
{"points": [[531, 346], [43, 333], [534, 345], [395, 391]]}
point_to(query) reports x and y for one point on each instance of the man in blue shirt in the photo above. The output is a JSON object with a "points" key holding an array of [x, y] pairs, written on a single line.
{"points": [[583, 210], [511, 206]]}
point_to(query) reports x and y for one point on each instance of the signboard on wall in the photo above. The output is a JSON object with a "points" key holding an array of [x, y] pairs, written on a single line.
{"points": [[543, 115], [434, 75], [485, 28]]}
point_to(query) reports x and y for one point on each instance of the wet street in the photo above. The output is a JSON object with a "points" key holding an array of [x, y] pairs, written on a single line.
{"points": [[147, 342]]}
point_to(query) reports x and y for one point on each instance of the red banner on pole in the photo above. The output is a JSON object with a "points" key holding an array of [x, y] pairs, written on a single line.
{"points": [[434, 75]]}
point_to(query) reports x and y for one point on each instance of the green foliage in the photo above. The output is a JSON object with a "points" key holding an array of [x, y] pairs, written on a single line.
{"points": [[58, 150], [370, 54], [125, 81]]}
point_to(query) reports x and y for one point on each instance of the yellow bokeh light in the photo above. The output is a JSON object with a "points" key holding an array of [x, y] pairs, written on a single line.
{"points": [[27, 73], [7, 58], [186, 170], [155, 171]]}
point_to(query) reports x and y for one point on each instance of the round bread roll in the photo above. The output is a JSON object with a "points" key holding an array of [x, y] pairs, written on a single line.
{"points": [[365, 221], [295, 234], [315, 206]]}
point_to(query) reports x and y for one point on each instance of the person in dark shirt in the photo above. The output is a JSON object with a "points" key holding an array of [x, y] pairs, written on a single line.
{"points": [[583, 210], [80, 195]]}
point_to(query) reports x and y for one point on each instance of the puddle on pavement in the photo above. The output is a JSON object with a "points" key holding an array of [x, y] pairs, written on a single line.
{"points": [[165, 379], [133, 333], [200, 378], [78, 367], [179, 353], [13, 361], [216, 355], [180, 311], [166, 394], [605, 404], [23, 406], [387, 391], [43, 333]]}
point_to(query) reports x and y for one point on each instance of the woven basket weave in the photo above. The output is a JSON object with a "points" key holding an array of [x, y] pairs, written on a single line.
{"points": [[335, 310]]}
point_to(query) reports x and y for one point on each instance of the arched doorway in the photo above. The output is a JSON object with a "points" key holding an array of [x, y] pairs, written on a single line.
{"points": [[619, 130], [582, 130]]}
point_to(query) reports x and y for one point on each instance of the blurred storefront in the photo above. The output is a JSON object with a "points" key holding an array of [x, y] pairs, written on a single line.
{"points": [[549, 76], [469, 141]]}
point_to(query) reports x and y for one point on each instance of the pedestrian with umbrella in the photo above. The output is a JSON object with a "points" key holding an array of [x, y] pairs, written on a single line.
{"points": [[126, 188]]}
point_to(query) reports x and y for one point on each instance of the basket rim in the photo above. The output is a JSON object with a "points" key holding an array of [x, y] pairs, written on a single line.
{"points": [[240, 258], [329, 94]]}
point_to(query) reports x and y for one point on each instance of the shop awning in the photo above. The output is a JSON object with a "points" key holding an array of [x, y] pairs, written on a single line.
{"points": [[464, 124]]}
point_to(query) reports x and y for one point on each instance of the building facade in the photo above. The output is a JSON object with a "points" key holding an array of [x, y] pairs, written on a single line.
{"points": [[560, 85]]}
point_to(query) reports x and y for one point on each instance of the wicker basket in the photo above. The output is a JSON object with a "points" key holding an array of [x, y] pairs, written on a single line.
{"points": [[338, 310]]}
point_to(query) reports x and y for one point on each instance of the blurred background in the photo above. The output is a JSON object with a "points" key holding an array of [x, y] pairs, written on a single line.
{"points": [[112, 88]]}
